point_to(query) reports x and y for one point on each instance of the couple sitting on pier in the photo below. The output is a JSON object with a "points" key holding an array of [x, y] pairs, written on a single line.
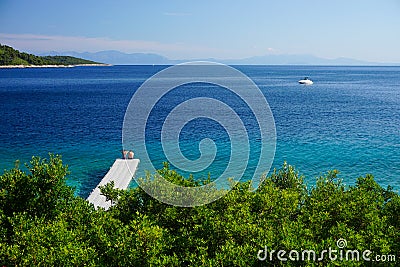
{"points": [[127, 154]]}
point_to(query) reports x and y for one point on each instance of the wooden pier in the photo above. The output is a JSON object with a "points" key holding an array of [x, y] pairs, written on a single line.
{"points": [[121, 172]]}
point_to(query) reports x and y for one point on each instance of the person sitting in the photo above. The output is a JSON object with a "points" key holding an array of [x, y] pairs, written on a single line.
{"points": [[130, 154], [124, 153]]}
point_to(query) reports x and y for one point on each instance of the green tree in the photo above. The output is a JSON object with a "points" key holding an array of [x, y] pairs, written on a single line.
{"points": [[43, 223]]}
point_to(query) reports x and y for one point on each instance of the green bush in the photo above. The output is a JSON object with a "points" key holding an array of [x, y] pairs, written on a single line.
{"points": [[43, 223]]}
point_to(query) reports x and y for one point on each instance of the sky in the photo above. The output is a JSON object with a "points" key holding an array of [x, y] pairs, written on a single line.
{"points": [[186, 29]]}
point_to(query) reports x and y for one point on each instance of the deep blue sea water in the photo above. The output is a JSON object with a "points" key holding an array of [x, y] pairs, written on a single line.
{"points": [[348, 120]]}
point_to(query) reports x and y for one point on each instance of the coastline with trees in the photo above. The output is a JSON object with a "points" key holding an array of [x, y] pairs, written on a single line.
{"points": [[12, 58]]}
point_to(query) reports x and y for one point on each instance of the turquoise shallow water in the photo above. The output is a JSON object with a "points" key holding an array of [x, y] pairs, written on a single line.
{"points": [[348, 120]]}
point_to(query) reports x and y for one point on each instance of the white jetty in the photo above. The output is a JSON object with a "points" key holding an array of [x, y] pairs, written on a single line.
{"points": [[121, 172]]}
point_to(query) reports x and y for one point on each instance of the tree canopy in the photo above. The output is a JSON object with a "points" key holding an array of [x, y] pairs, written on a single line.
{"points": [[43, 223]]}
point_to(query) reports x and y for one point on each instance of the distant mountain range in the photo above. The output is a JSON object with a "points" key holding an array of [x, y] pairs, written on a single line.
{"points": [[120, 58]]}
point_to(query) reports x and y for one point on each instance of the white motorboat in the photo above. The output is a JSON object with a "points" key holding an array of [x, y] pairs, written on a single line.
{"points": [[306, 81]]}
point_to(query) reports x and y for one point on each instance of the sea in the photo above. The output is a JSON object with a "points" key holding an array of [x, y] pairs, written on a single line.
{"points": [[348, 120]]}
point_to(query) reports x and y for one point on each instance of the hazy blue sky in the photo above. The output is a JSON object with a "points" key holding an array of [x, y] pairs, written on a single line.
{"points": [[360, 29]]}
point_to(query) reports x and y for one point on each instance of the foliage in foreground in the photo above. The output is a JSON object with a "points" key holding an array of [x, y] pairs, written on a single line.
{"points": [[43, 223]]}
